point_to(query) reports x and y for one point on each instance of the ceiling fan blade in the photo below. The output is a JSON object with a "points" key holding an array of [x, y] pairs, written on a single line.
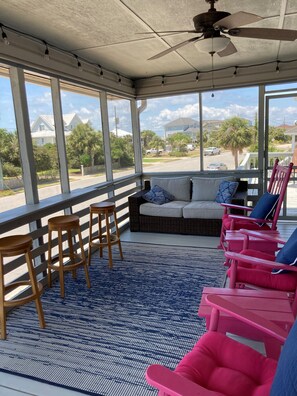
{"points": [[237, 19], [265, 33], [170, 31], [229, 50], [175, 47]]}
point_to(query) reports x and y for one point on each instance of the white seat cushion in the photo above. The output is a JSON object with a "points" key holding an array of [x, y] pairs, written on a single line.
{"points": [[203, 210], [170, 209]]}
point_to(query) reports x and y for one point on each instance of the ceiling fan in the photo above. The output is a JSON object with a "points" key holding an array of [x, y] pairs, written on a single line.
{"points": [[213, 26]]}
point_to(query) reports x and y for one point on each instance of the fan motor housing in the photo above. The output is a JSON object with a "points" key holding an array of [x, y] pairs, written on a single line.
{"points": [[205, 21]]}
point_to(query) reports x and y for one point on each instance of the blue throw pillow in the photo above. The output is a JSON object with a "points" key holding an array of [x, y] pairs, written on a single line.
{"points": [[265, 206], [226, 191], [285, 379], [158, 196], [287, 254]]}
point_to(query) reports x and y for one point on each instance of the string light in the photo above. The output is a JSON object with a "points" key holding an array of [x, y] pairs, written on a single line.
{"points": [[163, 81], [101, 72], [79, 66], [197, 77], [4, 36], [46, 51], [48, 48], [119, 79]]}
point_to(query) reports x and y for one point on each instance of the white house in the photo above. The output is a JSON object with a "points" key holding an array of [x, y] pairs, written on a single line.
{"points": [[43, 128]]}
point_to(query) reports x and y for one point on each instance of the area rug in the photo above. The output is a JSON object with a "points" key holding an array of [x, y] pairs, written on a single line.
{"points": [[100, 340]]}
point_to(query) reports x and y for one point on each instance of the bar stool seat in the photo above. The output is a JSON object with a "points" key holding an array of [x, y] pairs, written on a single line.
{"points": [[68, 260], [104, 210], [10, 246]]}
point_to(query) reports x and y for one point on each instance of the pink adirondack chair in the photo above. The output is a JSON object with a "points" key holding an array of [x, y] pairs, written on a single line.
{"points": [[254, 269], [219, 365], [264, 215]]}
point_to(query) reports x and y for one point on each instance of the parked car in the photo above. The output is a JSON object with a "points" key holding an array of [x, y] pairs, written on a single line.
{"points": [[217, 166], [154, 151], [190, 147], [211, 151]]}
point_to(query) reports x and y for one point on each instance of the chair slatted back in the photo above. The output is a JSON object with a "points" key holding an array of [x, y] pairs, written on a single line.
{"points": [[278, 185]]}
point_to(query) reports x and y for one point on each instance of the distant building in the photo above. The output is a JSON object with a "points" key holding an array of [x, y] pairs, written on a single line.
{"points": [[191, 127], [43, 128], [181, 125], [120, 132]]}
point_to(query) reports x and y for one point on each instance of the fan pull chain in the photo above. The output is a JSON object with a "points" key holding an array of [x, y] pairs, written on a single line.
{"points": [[212, 80]]}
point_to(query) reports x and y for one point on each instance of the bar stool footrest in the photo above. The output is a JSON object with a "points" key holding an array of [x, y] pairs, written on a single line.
{"points": [[66, 266], [22, 300]]}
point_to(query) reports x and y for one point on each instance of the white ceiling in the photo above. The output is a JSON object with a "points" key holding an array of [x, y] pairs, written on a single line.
{"points": [[107, 32]]}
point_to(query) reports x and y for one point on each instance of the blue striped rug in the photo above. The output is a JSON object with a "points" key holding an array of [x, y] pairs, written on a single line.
{"points": [[100, 340]]}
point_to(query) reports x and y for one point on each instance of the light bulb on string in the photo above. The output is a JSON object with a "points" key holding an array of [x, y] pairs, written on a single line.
{"points": [[277, 67], [4, 36], [101, 72], [235, 72], [119, 79], [46, 51], [197, 77], [79, 66]]}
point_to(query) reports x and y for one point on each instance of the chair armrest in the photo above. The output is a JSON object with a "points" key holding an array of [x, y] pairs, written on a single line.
{"points": [[248, 218], [266, 236], [233, 206], [252, 319], [258, 261], [174, 384], [235, 257]]}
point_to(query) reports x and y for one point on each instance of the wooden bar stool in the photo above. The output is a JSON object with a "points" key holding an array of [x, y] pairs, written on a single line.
{"points": [[104, 210], [10, 246], [68, 260]]}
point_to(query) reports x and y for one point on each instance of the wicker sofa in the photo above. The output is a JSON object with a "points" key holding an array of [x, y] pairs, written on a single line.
{"points": [[206, 220]]}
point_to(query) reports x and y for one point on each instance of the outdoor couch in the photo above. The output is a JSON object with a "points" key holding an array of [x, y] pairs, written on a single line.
{"points": [[193, 210]]}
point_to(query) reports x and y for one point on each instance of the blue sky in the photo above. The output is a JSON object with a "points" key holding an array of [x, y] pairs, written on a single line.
{"points": [[241, 102]]}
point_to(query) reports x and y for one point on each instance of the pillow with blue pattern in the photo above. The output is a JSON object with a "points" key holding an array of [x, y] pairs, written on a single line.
{"points": [[287, 254], [158, 196], [226, 191], [265, 206]]}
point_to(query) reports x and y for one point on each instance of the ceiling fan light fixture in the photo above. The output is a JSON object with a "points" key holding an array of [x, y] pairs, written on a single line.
{"points": [[212, 44]]}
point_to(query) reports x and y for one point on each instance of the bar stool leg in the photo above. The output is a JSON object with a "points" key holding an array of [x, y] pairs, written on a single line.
{"points": [[100, 233], [35, 289], [108, 237], [90, 239], [2, 296], [71, 251], [118, 235], [49, 259], [61, 263], [82, 252]]}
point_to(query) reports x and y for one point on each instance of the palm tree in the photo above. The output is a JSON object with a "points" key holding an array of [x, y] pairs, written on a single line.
{"points": [[235, 134]]}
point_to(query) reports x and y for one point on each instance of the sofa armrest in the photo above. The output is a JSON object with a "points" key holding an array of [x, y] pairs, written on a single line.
{"points": [[135, 201]]}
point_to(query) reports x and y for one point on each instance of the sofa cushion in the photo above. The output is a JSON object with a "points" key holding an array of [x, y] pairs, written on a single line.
{"points": [[170, 209], [180, 187], [203, 210], [205, 189], [158, 196]]}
